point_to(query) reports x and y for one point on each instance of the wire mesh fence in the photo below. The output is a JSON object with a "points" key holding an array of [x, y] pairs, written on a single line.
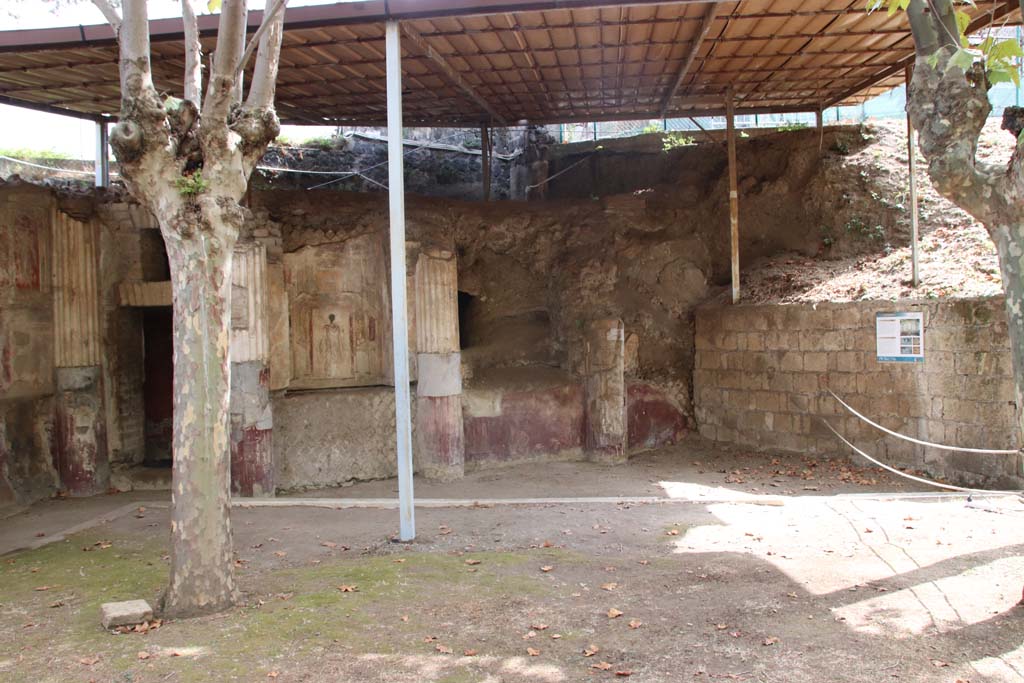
{"points": [[891, 105]]}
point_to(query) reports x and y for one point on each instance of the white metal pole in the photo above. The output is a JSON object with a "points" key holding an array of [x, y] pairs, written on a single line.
{"points": [[102, 165], [399, 312], [915, 273]]}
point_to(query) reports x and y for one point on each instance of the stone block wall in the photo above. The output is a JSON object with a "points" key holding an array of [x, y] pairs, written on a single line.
{"points": [[762, 376]]}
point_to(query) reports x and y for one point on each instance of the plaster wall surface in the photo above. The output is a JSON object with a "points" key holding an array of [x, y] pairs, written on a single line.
{"points": [[763, 373]]}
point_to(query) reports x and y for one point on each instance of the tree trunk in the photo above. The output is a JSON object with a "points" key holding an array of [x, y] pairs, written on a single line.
{"points": [[1010, 248], [199, 247]]}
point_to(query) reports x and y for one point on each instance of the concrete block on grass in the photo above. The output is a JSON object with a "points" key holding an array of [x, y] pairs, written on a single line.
{"points": [[127, 613]]}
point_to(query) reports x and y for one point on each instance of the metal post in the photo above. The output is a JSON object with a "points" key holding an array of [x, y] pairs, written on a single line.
{"points": [[734, 195], [485, 161], [399, 310], [102, 155], [915, 277], [820, 120]]}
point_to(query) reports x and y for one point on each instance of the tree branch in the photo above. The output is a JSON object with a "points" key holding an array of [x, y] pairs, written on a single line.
{"points": [[133, 39], [193, 55], [949, 108], [110, 14], [271, 22], [220, 92]]}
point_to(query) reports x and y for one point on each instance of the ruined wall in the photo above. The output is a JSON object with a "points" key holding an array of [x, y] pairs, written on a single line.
{"points": [[453, 170], [763, 372], [26, 345]]}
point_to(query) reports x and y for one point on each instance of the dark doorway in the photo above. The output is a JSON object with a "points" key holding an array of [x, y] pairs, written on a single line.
{"points": [[466, 303], [158, 385]]}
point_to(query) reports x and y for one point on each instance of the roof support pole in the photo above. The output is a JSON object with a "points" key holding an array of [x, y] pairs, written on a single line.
{"points": [[734, 195], [820, 117], [102, 155], [485, 160], [915, 275], [399, 306]]}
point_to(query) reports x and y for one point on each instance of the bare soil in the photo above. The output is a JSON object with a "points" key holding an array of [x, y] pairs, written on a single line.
{"points": [[805, 587], [957, 257]]}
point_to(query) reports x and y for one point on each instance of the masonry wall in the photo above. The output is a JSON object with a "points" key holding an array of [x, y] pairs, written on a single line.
{"points": [[763, 373]]}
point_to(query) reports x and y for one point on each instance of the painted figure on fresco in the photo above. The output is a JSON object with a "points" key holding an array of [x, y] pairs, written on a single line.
{"points": [[330, 347]]}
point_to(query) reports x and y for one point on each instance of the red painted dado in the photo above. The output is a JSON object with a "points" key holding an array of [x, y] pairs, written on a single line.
{"points": [[532, 423], [252, 464], [80, 451], [439, 437], [652, 419]]}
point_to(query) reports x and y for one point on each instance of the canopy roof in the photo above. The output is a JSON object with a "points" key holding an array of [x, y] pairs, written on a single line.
{"points": [[468, 62]]}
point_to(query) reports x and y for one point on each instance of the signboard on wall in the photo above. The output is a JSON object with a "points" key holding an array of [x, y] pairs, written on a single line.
{"points": [[899, 337]]}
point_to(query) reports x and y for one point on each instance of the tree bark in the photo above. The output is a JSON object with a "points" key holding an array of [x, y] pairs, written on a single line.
{"points": [[949, 107], [201, 549]]}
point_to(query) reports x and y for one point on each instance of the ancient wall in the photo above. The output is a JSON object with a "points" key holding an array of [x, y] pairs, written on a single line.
{"points": [[26, 345], [763, 372]]}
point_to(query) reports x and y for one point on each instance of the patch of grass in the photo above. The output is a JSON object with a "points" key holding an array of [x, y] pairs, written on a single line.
{"points": [[287, 614]]}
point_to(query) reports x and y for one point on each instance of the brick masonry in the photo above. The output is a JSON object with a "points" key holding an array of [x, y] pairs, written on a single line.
{"points": [[762, 376]]}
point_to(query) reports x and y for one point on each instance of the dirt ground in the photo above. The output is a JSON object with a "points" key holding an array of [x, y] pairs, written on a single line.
{"points": [[761, 578], [957, 257]]}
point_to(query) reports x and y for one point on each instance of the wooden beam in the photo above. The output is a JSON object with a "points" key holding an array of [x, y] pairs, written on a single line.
{"points": [[698, 40], [450, 73], [734, 195]]}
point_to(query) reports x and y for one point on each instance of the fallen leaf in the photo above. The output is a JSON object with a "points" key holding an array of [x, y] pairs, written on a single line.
{"points": [[273, 674], [636, 623], [532, 652], [624, 673], [769, 641], [556, 636], [469, 653], [644, 562], [591, 650], [614, 613], [429, 639], [539, 627], [529, 634], [721, 627], [472, 562], [89, 661], [601, 666], [348, 589], [405, 617], [59, 603], [42, 588], [443, 649], [672, 532], [609, 586], [329, 544], [399, 560], [939, 663], [143, 655], [547, 544], [280, 553], [546, 569]]}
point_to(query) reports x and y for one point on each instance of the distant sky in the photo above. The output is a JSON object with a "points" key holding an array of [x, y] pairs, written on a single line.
{"points": [[23, 128]]}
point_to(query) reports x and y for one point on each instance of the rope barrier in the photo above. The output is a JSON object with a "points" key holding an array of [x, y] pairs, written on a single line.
{"points": [[918, 441], [920, 480]]}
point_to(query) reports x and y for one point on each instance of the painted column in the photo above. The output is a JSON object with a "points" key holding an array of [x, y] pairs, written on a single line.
{"points": [[252, 423], [605, 409], [80, 453], [440, 446]]}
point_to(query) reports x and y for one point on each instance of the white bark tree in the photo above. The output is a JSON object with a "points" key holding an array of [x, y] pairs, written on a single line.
{"points": [[188, 161], [948, 103]]}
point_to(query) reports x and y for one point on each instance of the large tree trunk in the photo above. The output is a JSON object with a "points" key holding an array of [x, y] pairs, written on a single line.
{"points": [[201, 549], [1009, 241], [949, 106]]}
